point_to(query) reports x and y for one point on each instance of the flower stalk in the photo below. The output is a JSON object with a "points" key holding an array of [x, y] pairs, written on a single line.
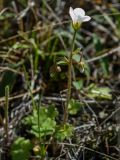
{"points": [[6, 112], [65, 118]]}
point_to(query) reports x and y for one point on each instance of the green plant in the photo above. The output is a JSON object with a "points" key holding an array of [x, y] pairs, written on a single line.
{"points": [[20, 149], [63, 132], [46, 121], [74, 106], [47, 128], [93, 91]]}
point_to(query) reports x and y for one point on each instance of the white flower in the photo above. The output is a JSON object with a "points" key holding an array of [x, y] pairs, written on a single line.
{"points": [[78, 16]]}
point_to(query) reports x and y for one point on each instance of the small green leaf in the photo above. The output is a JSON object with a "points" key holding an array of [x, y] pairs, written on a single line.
{"points": [[74, 107], [63, 62], [20, 149], [99, 92], [78, 84], [20, 45], [76, 57], [77, 51], [52, 112], [64, 132]]}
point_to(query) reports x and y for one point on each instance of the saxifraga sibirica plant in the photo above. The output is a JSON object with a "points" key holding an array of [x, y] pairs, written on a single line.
{"points": [[78, 17]]}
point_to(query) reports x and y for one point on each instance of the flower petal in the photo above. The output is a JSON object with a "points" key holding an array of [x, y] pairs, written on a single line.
{"points": [[72, 15], [79, 12], [86, 18]]}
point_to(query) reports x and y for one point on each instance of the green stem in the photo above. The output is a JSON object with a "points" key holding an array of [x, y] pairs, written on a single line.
{"points": [[6, 112], [65, 118], [38, 112]]}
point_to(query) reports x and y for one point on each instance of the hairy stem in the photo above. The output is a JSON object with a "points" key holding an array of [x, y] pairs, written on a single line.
{"points": [[6, 112], [65, 118]]}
